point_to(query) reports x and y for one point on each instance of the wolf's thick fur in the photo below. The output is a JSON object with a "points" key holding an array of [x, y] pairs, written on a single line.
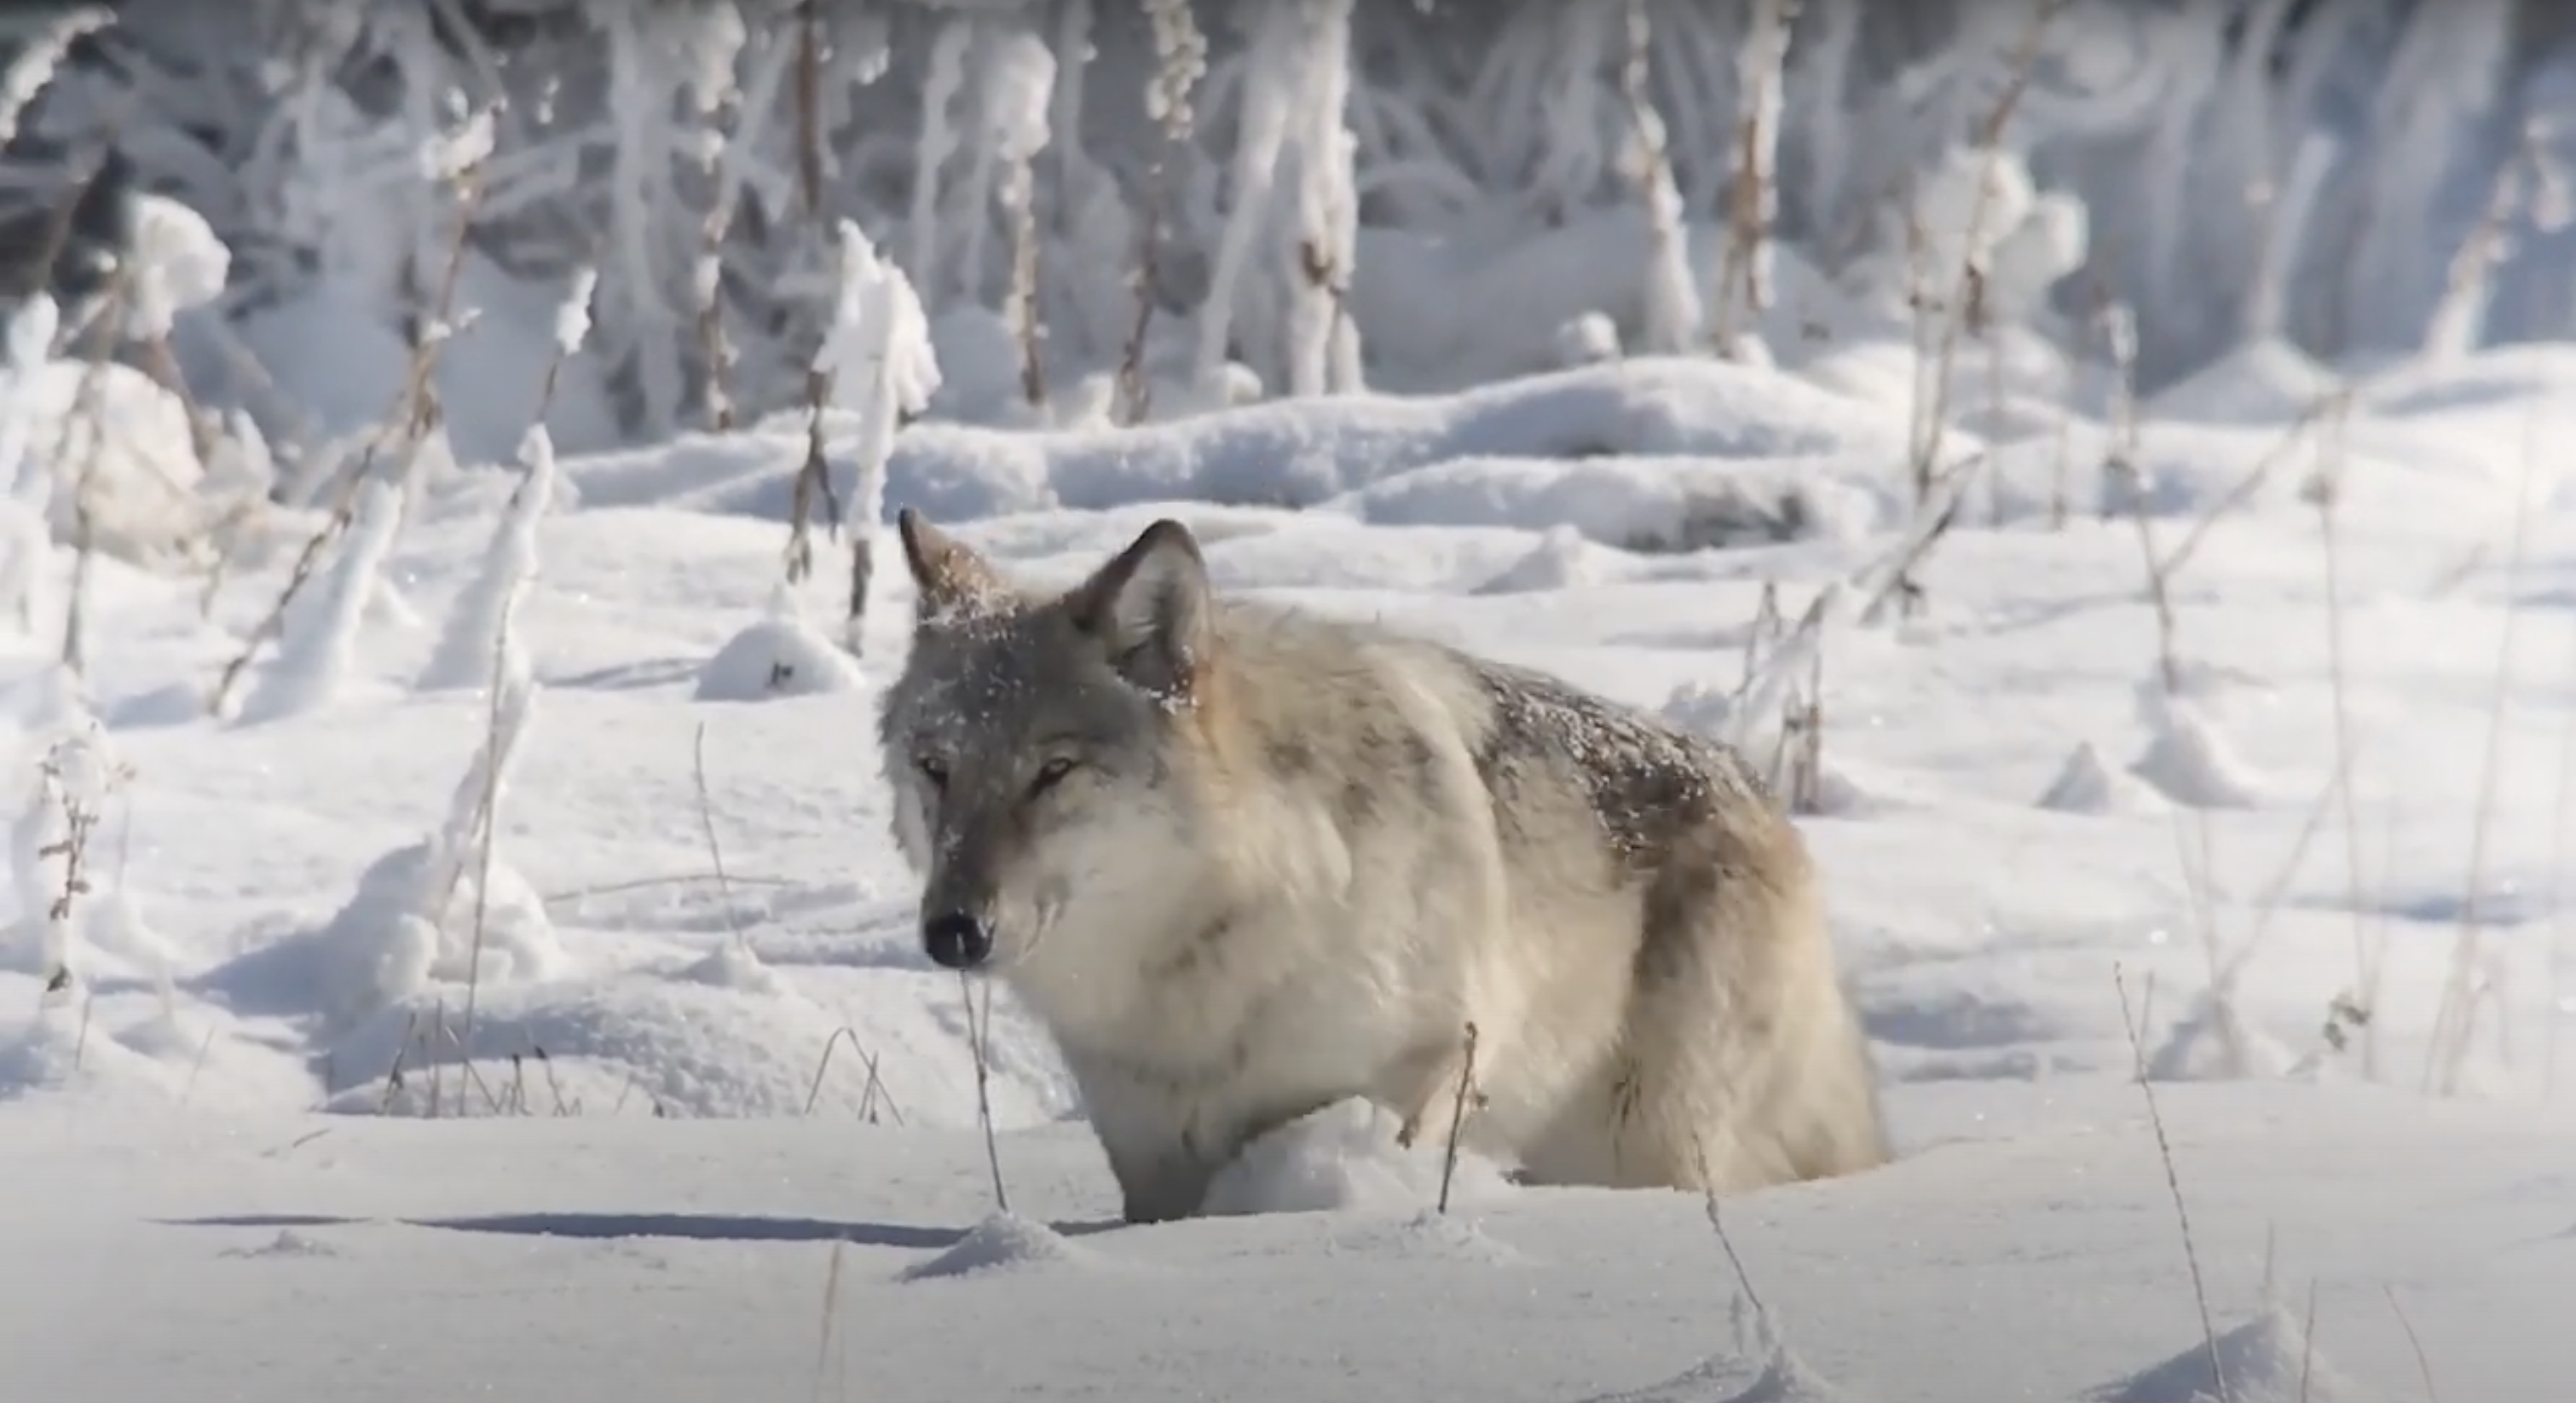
{"points": [[1245, 862]]}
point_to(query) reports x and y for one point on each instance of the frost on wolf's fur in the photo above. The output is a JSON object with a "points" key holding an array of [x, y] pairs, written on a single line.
{"points": [[1344, 1157]]}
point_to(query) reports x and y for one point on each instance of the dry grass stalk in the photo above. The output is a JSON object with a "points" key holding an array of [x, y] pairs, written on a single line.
{"points": [[871, 1093], [715, 349], [394, 1071], [487, 814], [1181, 51], [2455, 1024], [2308, 1343], [707, 830], [1965, 300], [979, 1033], [2349, 1013], [2414, 1342], [1467, 1096], [1019, 196], [1753, 195], [813, 487], [79, 823], [1763, 631], [2557, 1008], [813, 490], [403, 433], [2173, 1186], [825, 1356], [2467, 281], [1717, 1224]]}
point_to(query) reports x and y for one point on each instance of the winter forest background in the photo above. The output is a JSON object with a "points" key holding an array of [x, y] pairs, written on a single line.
{"points": [[1408, 196]]}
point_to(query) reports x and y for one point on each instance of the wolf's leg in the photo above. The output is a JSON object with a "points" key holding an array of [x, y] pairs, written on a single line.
{"points": [[1144, 1129], [1740, 1062], [1743, 1061]]}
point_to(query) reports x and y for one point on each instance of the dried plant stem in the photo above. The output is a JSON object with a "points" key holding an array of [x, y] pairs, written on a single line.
{"points": [[2173, 1186], [871, 1092], [2455, 1024], [405, 429], [979, 1033], [1182, 53], [707, 830], [1962, 304], [487, 836], [1753, 195], [1458, 1114], [2367, 957]]}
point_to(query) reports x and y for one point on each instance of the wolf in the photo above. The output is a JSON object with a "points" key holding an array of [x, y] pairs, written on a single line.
{"points": [[1244, 862]]}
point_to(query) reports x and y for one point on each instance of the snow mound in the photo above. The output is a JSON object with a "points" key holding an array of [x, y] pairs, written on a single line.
{"points": [[2264, 382], [2214, 1042], [132, 441], [683, 1047], [1762, 1369], [1430, 1235], [1003, 1242], [382, 948], [2190, 761], [779, 656], [1642, 502], [58, 1052], [2268, 1359], [1561, 558], [287, 1244], [1292, 454], [2087, 784], [1343, 1157], [734, 965]]}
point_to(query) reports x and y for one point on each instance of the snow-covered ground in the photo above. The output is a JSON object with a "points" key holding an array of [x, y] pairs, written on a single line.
{"points": [[716, 1133]]}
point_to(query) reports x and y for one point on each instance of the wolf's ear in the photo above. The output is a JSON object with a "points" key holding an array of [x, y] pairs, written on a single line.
{"points": [[1150, 607], [949, 577]]}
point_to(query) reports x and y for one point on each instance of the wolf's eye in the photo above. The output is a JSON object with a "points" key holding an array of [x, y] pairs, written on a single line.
{"points": [[1050, 775], [934, 771]]}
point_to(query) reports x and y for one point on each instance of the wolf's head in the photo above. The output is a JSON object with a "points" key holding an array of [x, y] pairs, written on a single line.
{"points": [[1031, 742]]}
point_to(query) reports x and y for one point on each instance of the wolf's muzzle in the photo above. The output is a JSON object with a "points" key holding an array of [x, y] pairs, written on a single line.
{"points": [[956, 940]]}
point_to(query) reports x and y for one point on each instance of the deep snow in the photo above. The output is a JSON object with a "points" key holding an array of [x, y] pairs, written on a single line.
{"points": [[224, 1178]]}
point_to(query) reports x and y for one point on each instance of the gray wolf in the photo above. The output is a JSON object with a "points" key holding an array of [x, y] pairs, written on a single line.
{"points": [[1245, 862]]}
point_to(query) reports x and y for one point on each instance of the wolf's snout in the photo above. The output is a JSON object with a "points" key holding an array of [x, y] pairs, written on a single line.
{"points": [[956, 940]]}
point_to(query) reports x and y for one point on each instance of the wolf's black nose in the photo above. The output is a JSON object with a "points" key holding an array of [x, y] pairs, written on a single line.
{"points": [[956, 940]]}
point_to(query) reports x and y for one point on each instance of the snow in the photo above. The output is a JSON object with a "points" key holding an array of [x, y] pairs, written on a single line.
{"points": [[253, 1114], [519, 994]]}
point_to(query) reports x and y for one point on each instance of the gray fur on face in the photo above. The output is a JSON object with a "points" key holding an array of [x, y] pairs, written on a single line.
{"points": [[1014, 713]]}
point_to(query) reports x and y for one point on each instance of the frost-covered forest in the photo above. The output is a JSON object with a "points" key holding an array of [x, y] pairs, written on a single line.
{"points": [[1120, 209]]}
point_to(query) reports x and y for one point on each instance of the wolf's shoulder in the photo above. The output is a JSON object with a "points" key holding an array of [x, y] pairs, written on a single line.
{"points": [[1646, 781], [1522, 725]]}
